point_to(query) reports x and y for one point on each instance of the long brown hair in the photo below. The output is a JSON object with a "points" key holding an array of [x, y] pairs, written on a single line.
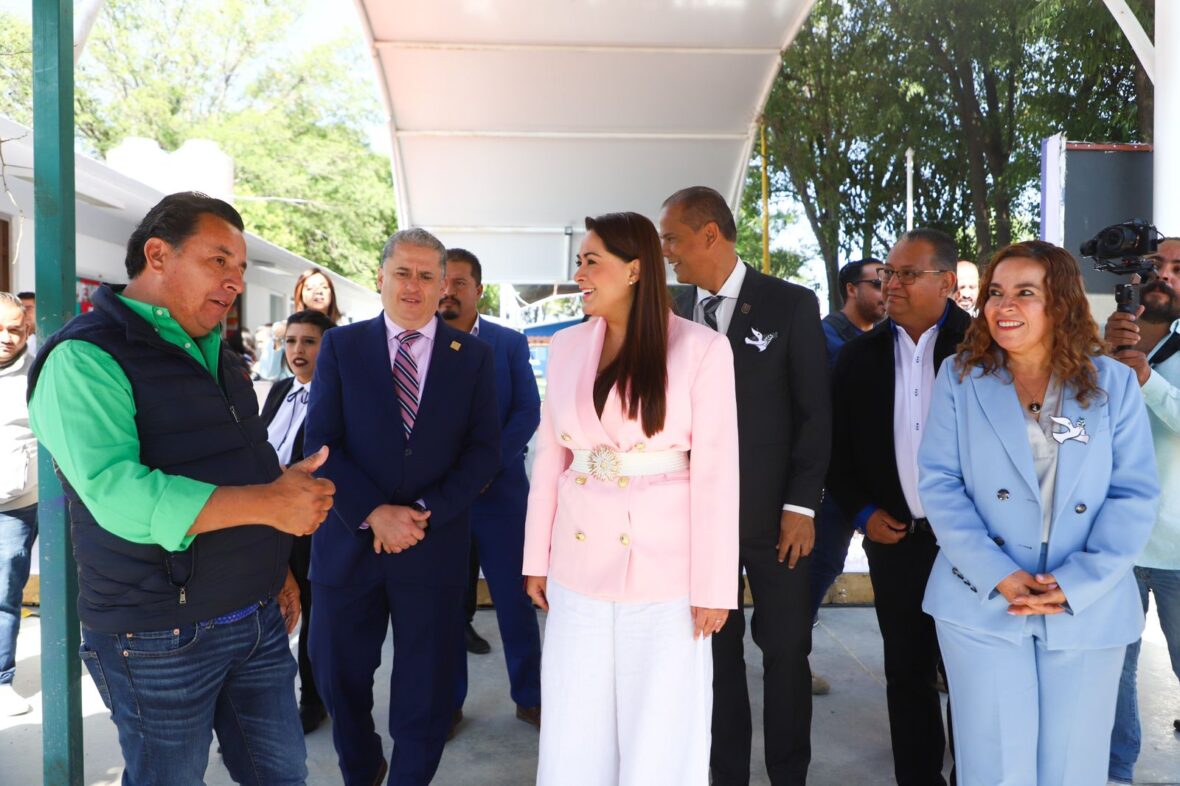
{"points": [[1075, 335], [642, 364], [333, 309]]}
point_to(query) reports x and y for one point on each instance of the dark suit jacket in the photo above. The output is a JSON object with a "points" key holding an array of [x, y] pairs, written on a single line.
{"points": [[274, 400], [519, 410], [453, 452], [864, 467], [784, 410]]}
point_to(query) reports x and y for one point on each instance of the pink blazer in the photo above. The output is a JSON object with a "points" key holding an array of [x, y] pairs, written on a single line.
{"points": [[650, 537]]}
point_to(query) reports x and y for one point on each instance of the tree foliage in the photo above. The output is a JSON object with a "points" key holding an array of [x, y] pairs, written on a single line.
{"points": [[972, 87], [784, 262], [294, 118]]}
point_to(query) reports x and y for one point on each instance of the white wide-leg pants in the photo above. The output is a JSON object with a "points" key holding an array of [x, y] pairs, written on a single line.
{"points": [[627, 694]]}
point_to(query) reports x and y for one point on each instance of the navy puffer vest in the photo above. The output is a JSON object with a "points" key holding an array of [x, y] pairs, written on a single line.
{"points": [[188, 425]]}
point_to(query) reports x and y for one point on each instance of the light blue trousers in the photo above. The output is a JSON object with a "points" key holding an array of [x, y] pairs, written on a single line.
{"points": [[1028, 716]]}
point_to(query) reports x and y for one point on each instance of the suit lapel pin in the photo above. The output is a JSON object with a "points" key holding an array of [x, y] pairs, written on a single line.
{"points": [[757, 339], [1077, 432], [745, 308], [455, 345]]}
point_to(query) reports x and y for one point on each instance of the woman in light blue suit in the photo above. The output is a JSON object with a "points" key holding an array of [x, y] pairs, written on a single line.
{"points": [[1038, 476]]}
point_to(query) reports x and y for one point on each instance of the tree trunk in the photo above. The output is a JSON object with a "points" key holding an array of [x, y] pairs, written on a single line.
{"points": [[1144, 102]]}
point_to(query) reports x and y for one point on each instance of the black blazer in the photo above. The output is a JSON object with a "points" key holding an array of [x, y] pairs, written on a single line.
{"points": [[274, 399], [864, 467], [784, 409]]}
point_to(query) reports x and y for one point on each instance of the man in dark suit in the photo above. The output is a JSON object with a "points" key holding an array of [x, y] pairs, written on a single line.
{"points": [[881, 391], [407, 405], [784, 424], [497, 518], [285, 416]]}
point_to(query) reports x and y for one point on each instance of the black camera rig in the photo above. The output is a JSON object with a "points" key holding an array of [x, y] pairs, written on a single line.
{"points": [[1123, 249]]}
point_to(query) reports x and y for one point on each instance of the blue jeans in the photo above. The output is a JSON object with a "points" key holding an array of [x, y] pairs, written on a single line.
{"points": [[18, 530], [1125, 739], [169, 690], [833, 533]]}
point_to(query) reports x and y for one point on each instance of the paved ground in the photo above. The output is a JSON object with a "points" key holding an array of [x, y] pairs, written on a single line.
{"points": [[849, 733]]}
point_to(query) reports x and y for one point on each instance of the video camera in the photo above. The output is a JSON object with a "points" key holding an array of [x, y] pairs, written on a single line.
{"points": [[1123, 249]]}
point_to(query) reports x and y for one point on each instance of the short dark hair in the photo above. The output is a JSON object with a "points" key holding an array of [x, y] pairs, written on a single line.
{"points": [[700, 205], [26, 296], [463, 255], [851, 273], [946, 253], [311, 317], [174, 220]]}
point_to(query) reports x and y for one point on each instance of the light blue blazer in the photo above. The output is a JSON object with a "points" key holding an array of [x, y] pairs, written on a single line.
{"points": [[980, 492]]}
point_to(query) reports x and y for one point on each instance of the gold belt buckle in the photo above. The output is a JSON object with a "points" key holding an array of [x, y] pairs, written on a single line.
{"points": [[603, 463]]}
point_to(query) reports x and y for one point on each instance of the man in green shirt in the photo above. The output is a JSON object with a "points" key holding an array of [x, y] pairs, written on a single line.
{"points": [[180, 513]]}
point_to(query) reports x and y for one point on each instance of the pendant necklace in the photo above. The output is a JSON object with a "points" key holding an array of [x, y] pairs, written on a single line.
{"points": [[1034, 406]]}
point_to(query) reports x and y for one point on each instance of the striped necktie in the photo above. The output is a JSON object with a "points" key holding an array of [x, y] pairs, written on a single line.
{"points": [[709, 306], [405, 379]]}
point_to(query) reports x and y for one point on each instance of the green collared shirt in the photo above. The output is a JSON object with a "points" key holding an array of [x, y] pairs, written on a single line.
{"points": [[83, 412]]}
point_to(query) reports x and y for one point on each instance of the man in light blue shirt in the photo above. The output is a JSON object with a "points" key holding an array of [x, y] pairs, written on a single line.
{"points": [[1154, 354]]}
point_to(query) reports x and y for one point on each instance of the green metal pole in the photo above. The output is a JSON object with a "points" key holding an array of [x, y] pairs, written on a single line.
{"points": [[53, 172]]}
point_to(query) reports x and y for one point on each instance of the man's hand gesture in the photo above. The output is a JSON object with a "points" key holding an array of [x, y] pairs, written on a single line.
{"points": [[301, 502]]}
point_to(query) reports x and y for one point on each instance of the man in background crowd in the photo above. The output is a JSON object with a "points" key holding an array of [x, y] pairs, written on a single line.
{"points": [[28, 301], [18, 490], [881, 393], [1153, 351], [968, 292], [497, 517], [864, 307]]}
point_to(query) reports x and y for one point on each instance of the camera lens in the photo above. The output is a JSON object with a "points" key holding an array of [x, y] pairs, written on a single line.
{"points": [[1118, 240]]}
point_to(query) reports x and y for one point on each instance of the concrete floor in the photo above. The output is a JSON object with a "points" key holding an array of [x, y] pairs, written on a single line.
{"points": [[850, 734]]}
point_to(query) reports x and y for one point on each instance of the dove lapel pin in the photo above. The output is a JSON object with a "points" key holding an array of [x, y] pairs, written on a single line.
{"points": [[756, 339], [1072, 431]]}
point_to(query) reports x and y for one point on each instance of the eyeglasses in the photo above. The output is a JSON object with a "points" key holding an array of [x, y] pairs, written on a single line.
{"points": [[906, 277], [875, 283]]}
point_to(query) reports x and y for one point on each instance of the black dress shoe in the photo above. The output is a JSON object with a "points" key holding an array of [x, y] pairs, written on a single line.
{"points": [[456, 719], [476, 644], [311, 716], [530, 715]]}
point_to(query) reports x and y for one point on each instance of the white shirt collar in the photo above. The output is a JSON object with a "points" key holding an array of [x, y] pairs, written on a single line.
{"points": [[732, 286], [393, 329], [475, 327]]}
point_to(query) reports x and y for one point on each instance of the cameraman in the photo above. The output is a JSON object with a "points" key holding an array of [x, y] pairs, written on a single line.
{"points": [[1153, 335]]}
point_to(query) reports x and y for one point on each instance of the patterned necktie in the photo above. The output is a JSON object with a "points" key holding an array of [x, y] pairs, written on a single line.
{"points": [[709, 306], [405, 379]]}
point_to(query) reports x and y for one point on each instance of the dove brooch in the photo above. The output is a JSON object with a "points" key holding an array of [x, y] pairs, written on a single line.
{"points": [[756, 339], [1072, 431]]}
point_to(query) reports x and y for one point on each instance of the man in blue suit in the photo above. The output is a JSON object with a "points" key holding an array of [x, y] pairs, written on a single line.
{"points": [[497, 519], [407, 405]]}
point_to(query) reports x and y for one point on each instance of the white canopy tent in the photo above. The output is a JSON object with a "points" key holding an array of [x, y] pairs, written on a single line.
{"points": [[512, 120]]}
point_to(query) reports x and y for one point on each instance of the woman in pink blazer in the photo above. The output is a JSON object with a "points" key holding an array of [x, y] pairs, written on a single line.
{"points": [[631, 541]]}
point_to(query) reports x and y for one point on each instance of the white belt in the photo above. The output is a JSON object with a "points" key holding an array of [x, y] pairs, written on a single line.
{"points": [[607, 464]]}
